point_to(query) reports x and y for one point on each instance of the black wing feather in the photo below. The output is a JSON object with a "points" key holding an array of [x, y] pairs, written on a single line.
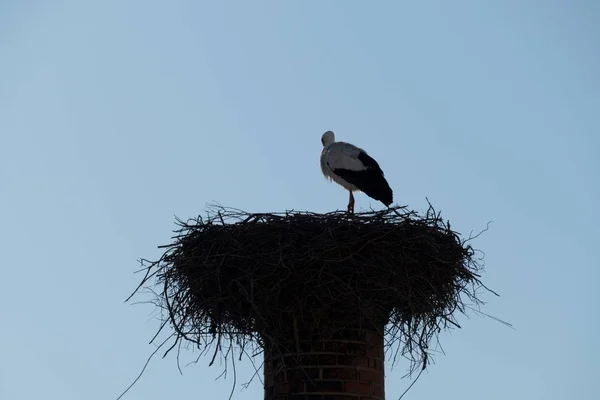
{"points": [[370, 180]]}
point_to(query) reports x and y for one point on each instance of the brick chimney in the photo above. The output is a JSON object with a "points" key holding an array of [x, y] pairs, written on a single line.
{"points": [[349, 366]]}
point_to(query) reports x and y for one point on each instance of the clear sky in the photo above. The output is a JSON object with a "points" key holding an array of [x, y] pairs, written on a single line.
{"points": [[117, 115]]}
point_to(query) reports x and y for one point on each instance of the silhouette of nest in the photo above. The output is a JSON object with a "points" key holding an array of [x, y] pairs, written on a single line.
{"points": [[252, 277]]}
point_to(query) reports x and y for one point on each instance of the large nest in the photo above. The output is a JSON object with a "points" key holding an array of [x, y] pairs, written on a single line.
{"points": [[242, 277]]}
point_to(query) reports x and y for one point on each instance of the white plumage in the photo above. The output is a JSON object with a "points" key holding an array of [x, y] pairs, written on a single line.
{"points": [[352, 168]]}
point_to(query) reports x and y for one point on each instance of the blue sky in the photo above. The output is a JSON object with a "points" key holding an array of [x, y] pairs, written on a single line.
{"points": [[117, 115]]}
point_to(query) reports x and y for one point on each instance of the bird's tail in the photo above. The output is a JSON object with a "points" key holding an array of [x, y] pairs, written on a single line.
{"points": [[378, 188]]}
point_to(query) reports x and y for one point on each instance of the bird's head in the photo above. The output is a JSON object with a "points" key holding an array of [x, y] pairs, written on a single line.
{"points": [[327, 138]]}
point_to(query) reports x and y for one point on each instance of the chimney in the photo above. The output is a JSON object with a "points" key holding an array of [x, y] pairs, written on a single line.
{"points": [[349, 366]]}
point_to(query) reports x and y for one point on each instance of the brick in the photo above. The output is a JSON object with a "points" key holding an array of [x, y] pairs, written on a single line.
{"points": [[352, 348], [282, 388], [324, 386], [373, 352], [374, 338], [309, 346], [352, 361], [312, 359], [269, 392], [350, 334], [303, 374], [327, 359], [305, 397], [370, 375], [359, 387], [379, 390], [280, 377], [347, 374], [298, 386], [269, 379], [331, 344], [340, 397], [376, 365]]}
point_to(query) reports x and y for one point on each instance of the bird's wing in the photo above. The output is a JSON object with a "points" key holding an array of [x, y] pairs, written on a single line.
{"points": [[342, 155], [369, 162]]}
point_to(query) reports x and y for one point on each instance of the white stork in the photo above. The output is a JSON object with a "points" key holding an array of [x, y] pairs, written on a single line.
{"points": [[354, 169]]}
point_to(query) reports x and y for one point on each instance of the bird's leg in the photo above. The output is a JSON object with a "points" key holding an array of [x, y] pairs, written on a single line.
{"points": [[351, 203]]}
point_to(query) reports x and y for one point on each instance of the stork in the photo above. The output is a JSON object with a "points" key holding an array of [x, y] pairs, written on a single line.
{"points": [[352, 168]]}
